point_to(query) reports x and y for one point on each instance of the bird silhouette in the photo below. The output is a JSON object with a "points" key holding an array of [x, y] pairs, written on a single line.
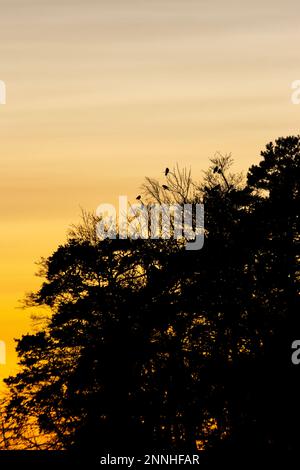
{"points": [[165, 187], [167, 171], [216, 169], [139, 197]]}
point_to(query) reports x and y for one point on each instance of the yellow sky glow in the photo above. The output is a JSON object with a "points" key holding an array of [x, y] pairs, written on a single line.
{"points": [[102, 93]]}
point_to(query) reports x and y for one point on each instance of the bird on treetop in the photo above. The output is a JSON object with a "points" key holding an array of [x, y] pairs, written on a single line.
{"points": [[216, 169], [165, 187], [166, 171], [138, 198]]}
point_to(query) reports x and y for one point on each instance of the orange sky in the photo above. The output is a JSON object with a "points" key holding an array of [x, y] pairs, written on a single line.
{"points": [[101, 93]]}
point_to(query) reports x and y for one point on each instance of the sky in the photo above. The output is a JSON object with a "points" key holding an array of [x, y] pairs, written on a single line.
{"points": [[101, 94]]}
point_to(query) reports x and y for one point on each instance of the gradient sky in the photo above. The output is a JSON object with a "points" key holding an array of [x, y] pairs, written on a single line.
{"points": [[102, 93]]}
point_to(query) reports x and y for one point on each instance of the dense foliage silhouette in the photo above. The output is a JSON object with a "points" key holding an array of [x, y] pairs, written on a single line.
{"points": [[151, 347]]}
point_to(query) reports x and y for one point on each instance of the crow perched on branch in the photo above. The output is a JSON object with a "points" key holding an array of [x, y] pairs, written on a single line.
{"points": [[217, 170]]}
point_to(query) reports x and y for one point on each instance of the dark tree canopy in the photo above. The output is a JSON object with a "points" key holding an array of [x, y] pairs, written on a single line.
{"points": [[151, 347]]}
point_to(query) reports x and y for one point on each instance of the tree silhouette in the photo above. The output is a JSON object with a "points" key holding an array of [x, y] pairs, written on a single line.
{"points": [[153, 347]]}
